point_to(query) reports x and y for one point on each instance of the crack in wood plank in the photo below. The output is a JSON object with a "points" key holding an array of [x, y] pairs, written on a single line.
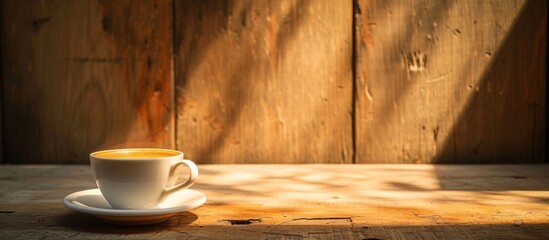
{"points": [[242, 221]]}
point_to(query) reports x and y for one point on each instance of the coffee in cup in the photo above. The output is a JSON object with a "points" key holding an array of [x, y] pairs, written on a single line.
{"points": [[138, 178]]}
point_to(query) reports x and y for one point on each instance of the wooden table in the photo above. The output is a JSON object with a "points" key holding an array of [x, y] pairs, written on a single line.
{"points": [[301, 202]]}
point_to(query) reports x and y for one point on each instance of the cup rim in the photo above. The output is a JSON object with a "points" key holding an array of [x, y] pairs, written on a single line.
{"points": [[176, 153]]}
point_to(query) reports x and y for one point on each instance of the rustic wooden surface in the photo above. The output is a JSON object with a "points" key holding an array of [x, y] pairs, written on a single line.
{"points": [[450, 81], [301, 202], [264, 79], [85, 75]]}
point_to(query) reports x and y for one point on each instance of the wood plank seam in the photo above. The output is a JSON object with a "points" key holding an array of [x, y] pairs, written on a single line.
{"points": [[356, 11], [172, 78]]}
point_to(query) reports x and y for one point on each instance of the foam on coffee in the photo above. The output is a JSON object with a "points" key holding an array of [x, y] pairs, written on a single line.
{"points": [[135, 154]]}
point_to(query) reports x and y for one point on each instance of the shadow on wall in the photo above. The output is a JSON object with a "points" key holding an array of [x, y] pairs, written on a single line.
{"points": [[244, 81], [505, 117], [502, 118], [477, 96]]}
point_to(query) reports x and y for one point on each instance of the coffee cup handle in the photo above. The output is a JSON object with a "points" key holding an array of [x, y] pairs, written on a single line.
{"points": [[192, 177]]}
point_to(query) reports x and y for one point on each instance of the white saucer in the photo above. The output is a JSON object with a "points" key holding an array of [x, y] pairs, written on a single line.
{"points": [[92, 201]]}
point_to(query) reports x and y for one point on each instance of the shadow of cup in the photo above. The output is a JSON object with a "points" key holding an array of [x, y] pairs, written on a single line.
{"points": [[87, 223]]}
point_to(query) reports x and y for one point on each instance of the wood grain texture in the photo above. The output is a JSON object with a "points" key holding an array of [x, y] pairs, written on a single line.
{"points": [[85, 75], [264, 81], [451, 81], [302, 202]]}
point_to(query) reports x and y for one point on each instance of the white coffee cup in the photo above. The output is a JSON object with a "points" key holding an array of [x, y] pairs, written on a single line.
{"points": [[139, 178]]}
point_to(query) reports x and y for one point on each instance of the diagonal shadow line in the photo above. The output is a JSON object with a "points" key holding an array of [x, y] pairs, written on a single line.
{"points": [[525, 96], [192, 19], [287, 31], [363, 45], [241, 75]]}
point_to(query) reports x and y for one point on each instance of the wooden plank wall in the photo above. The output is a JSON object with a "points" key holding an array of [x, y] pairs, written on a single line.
{"points": [[451, 81], [290, 81], [85, 75], [264, 81]]}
